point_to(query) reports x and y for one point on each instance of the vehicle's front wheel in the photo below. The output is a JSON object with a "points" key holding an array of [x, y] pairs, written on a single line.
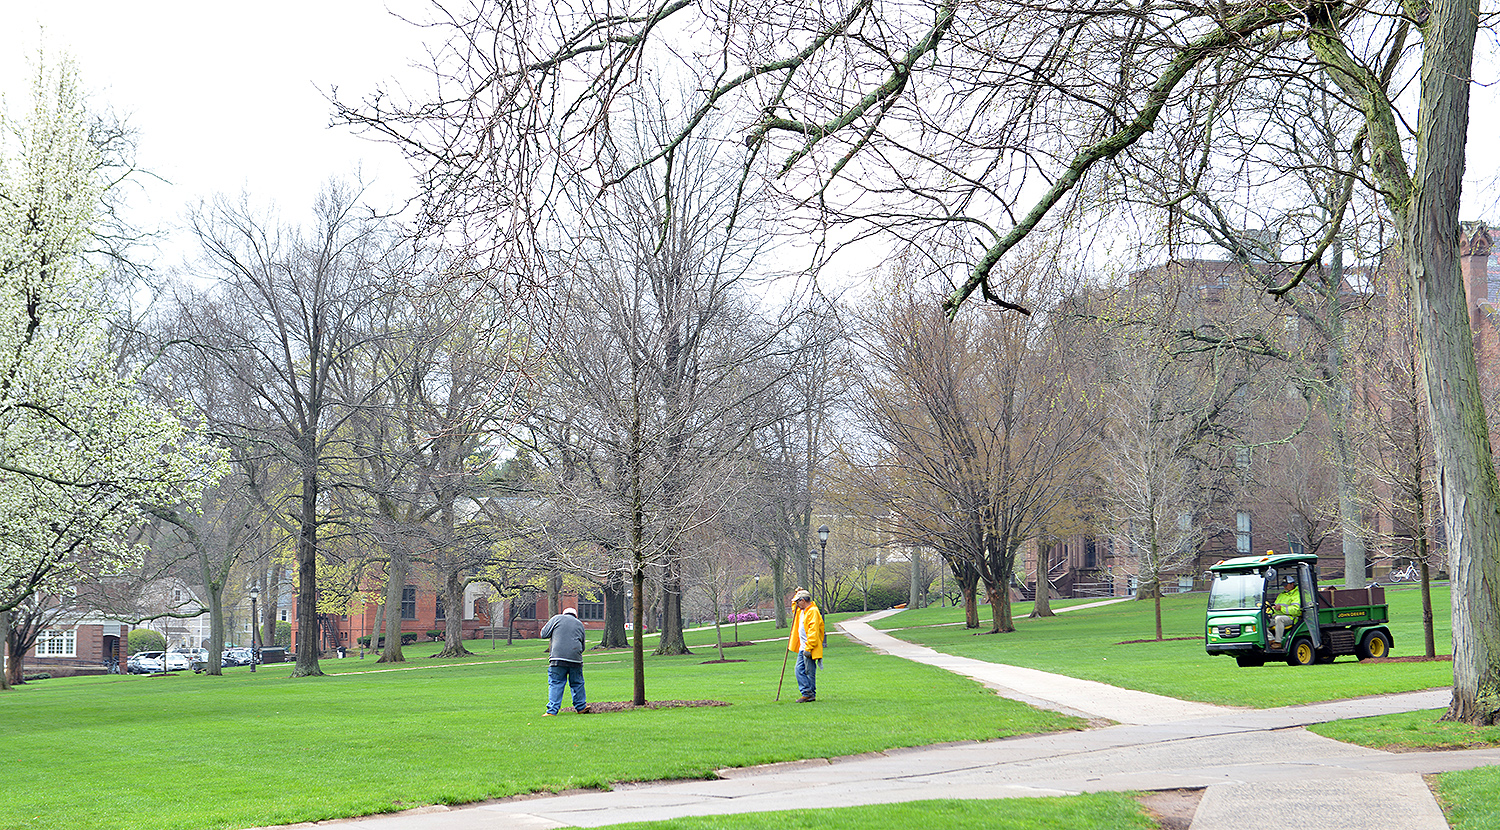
{"points": [[1301, 652], [1375, 644]]}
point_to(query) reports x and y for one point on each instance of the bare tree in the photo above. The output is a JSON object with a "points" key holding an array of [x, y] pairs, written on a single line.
{"points": [[983, 424], [284, 318], [650, 382], [1168, 449]]}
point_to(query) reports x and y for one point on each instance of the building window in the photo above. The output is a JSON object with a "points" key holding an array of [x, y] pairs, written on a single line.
{"points": [[55, 643], [526, 607], [1090, 554], [409, 602], [1242, 533], [442, 614], [589, 609], [481, 607], [1242, 457]]}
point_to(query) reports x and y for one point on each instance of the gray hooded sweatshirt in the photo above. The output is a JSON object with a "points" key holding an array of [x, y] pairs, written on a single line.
{"points": [[567, 638]]}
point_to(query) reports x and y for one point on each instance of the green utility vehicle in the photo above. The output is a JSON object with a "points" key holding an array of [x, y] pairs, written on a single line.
{"points": [[1240, 620]]}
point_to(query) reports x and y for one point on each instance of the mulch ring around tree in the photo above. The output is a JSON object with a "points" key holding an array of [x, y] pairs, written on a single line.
{"points": [[626, 706], [1162, 640]]}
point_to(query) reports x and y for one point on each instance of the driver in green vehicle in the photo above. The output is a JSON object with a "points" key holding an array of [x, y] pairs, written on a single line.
{"points": [[1287, 609]]}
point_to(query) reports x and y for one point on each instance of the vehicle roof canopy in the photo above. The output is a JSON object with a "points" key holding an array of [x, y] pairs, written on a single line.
{"points": [[1271, 559]]}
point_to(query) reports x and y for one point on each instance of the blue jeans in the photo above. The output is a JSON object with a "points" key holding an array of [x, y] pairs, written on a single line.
{"points": [[807, 675], [564, 674]]}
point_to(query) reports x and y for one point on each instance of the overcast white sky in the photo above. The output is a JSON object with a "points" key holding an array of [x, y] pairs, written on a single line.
{"points": [[226, 97]]}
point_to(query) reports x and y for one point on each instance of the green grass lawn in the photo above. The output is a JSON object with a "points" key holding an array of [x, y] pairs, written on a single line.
{"points": [[193, 751], [1094, 811], [1096, 644]]}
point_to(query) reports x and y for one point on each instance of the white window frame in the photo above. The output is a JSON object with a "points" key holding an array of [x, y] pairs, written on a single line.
{"points": [[57, 642], [1242, 532]]}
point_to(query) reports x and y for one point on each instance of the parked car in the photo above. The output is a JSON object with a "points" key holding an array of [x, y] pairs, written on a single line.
{"points": [[144, 662], [236, 656]]}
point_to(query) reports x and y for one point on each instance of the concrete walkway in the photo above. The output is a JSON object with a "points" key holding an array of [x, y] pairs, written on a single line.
{"points": [[1239, 758], [1083, 698]]}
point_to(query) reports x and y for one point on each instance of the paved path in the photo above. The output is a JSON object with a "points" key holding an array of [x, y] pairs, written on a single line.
{"points": [[1083, 698], [1237, 756]]}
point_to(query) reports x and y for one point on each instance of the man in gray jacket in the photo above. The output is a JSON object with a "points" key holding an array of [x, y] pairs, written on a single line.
{"points": [[566, 665]]}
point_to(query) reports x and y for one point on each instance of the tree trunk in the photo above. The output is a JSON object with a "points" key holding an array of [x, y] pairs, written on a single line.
{"points": [[1042, 605], [914, 593], [270, 602], [377, 627], [1000, 618], [1467, 484], [1351, 519], [614, 612], [638, 608], [215, 628], [1429, 642], [671, 640], [453, 624], [778, 588], [395, 583], [5, 683], [307, 574], [969, 589]]}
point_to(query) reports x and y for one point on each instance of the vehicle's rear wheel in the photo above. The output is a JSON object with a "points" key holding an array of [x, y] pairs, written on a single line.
{"points": [[1301, 652], [1375, 644], [1250, 661]]}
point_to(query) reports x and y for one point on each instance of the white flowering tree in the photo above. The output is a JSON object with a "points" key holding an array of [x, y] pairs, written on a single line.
{"points": [[80, 453]]}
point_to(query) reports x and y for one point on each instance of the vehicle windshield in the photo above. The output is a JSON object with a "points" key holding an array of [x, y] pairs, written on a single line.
{"points": [[1232, 591]]}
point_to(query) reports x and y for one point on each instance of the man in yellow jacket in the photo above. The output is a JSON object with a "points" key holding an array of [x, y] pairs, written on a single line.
{"points": [[807, 641]]}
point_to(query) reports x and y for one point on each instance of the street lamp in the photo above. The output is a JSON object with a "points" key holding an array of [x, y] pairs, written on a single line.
{"points": [[823, 555], [254, 627], [812, 572]]}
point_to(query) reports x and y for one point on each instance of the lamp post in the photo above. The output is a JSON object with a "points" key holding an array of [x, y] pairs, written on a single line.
{"points": [[254, 627], [812, 572], [823, 555]]}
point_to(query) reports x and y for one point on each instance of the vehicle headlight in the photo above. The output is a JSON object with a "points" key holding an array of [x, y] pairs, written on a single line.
{"points": [[1249, 629]]}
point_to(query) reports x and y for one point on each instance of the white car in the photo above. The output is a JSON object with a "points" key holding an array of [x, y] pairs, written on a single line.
{"points": [[145, 663], [178, 661]]}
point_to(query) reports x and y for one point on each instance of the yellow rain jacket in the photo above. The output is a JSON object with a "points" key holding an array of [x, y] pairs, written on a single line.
{"points": [[1289, 602], [813, 619]]}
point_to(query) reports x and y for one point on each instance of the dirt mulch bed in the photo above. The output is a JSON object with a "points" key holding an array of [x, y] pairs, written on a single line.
{"points": [[1162, 640], [725, 660], [626, 706], [1172, 809]]}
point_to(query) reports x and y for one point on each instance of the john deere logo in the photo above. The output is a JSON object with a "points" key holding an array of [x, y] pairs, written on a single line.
{"points": [[1351, 613]]}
